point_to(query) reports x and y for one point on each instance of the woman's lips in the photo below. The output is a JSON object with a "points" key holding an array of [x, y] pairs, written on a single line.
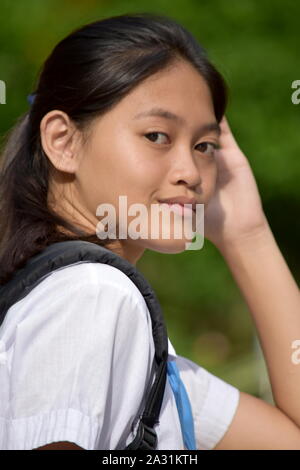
{"points": [[181, 209]]}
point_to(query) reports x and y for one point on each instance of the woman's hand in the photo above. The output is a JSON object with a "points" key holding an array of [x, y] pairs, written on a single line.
{"points": [[235, 209]]}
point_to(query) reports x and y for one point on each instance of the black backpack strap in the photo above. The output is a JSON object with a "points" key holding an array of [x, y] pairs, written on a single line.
{"points": [[146, 438], [69, 252]]}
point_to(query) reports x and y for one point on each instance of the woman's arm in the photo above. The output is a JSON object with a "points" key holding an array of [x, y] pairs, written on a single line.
{"points": [[257, 425], [273, 298], [235, 222]]}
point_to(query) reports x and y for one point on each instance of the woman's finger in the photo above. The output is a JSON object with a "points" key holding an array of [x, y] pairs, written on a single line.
{"points": [[226, 138]]}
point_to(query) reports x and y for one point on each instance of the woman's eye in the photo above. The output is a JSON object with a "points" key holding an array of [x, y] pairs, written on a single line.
{"points": [[153, 134], [205, 149]]}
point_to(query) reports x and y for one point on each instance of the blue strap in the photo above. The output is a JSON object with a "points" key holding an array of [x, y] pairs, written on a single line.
{"points": [[183, 406]]}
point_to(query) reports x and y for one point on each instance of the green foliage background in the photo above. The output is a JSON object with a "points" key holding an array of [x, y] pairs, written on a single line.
{"points": [[255, 45]]}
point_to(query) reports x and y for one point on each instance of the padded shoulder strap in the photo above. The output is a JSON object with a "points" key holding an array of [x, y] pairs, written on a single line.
{"points": [[65, 253]]}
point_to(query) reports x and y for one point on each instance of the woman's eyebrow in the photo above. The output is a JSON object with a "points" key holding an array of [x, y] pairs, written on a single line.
{"points": [[164, 113]]}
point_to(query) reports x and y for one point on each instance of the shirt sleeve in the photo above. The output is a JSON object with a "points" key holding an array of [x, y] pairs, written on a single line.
{"points": [[80, 361], [214, 402]]}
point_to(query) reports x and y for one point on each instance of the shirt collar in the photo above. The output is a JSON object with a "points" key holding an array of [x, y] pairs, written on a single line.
{"points": [[171, 351]]}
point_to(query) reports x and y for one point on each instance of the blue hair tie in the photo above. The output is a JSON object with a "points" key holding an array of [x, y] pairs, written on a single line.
{"points": [[31, 98]]}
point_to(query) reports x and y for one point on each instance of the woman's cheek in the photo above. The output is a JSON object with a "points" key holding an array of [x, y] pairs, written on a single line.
{"points": [[210, 182]]}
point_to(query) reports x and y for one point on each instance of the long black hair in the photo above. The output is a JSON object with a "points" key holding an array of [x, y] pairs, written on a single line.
{"points": [[87, 73]]}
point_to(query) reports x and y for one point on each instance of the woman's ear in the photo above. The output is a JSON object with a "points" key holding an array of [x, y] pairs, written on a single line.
{"points": [[61, 141]]}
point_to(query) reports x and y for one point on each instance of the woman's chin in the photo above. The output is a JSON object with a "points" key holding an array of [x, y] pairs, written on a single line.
{"points": [[166, 245]]}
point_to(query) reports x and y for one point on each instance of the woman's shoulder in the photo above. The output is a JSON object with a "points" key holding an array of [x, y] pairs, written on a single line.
{"points": [[89, 273], [70, 346], [81, 293]]}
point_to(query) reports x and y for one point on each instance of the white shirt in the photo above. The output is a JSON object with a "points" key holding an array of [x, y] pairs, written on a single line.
{"points": [[76, 358]]}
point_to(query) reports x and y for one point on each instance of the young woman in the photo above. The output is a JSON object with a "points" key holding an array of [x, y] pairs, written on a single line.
{"points": [[130, 105]]}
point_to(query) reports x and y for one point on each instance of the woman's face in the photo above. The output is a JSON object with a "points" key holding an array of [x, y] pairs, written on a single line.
{"points": [[146, 158]]}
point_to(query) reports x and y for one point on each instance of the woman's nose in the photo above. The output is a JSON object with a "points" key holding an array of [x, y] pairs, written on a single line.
{"points": [[185, 168]]}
